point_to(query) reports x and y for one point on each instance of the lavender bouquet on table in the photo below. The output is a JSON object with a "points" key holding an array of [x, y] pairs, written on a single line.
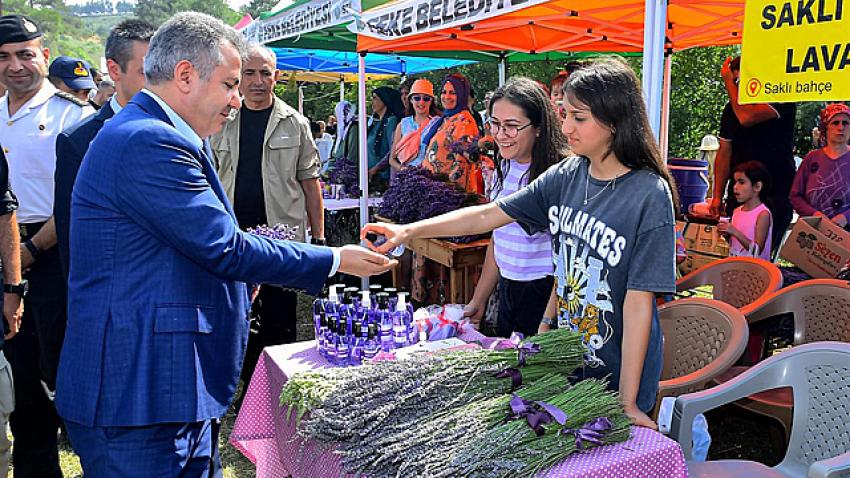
{"points": [[283, 232], [345, 173], [417, 194], [475, 148]]}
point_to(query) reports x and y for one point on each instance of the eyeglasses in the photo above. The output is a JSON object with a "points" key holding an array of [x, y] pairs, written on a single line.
{"points": [[424, 98], [509, 130]]}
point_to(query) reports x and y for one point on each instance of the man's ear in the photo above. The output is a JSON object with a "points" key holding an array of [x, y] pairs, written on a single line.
{"points": [[114, 69], [184, 75]]}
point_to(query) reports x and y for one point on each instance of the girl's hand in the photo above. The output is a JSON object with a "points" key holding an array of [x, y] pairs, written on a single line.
{"points": [[543, 328], [396, 234], [723, 227], [840, 220], [474, 310], [639, 418]]}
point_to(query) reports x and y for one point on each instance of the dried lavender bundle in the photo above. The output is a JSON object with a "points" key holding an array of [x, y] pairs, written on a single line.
{"points": [[420, 448], [514, 449]]}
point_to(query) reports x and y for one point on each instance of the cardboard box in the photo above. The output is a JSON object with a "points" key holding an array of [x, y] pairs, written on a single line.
{"points": [[704, 238], [817, 246], [696, 260]]}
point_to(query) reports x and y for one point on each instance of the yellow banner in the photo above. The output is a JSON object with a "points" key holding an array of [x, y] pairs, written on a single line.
{"points": [[795, 51]]}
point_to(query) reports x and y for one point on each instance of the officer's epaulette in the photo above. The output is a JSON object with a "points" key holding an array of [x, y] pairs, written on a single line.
{"points": [[69, 97]]}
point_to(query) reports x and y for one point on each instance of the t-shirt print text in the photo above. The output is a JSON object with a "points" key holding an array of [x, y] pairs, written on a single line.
{"points": [[609, 245]]}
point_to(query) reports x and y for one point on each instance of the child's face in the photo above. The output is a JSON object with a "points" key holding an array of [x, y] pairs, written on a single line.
{"points": [[744, 189]]}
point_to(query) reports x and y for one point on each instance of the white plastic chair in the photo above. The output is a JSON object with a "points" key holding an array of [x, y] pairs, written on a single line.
{"points": [[819, 375]]}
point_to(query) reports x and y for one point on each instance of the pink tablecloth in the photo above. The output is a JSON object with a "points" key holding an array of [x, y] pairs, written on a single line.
{"points": [[264, 435]]}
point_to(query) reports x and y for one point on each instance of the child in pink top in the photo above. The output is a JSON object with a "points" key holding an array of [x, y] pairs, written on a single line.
{"points": [[752, 226]]}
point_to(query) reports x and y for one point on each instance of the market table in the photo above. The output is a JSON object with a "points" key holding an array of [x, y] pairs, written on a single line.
{"points": [[264, 434]]}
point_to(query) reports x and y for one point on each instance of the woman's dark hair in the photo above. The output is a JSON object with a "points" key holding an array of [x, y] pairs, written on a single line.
{"points": [[551, 145], [756, 172], [612, 92]]}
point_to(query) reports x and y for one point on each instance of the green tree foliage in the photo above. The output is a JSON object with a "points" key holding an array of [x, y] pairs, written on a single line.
{"points": [[256, 7], [158, 11], [65, 34]]}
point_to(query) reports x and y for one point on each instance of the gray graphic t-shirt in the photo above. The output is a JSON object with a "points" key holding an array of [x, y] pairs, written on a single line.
{"points": [[623, 238]]}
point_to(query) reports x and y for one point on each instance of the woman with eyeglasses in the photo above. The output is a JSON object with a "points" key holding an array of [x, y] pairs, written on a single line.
{"points": [[529, 140], [408, 149], [455, 124], [822, 183], [609, 209]]}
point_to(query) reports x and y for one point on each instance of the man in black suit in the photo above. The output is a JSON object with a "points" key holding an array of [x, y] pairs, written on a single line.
{"points": [[125, 52]]}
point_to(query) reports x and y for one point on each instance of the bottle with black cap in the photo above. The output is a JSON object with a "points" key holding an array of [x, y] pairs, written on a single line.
{"points": [[371, 348]]}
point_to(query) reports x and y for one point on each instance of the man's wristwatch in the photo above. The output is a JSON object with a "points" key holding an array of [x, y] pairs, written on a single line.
{"points": [[34, 250], [21, 288], [318, 242]]}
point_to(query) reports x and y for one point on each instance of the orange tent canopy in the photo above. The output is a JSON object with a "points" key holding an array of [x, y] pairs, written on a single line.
{"points": [[573, 25]]}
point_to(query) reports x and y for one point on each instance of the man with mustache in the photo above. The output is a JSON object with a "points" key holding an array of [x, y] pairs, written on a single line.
{"points": [[269, 167], [32, 114]]}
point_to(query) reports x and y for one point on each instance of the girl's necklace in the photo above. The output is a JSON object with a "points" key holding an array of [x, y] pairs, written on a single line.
{"points": [[611, 182]]}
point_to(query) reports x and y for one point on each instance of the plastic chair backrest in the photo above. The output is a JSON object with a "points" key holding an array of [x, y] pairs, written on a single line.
{"points": [[738, 281], [702, 339], [821, 309]]}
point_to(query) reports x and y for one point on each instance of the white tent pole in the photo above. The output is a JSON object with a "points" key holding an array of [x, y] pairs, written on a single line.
{"points": [[665, 106], [655, 23], [300, 99], [363, 162], [341, 90], [503, 70]]}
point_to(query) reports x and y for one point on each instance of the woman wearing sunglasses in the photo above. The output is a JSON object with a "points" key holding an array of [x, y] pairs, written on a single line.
{"points": [[407, 149], [822, 184]]}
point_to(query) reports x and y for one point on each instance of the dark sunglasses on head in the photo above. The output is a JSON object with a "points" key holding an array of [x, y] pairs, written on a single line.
{"points": [[425, 98]]}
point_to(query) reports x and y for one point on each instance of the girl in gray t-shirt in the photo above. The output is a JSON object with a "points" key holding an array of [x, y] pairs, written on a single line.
{"points": [[610, 212]]}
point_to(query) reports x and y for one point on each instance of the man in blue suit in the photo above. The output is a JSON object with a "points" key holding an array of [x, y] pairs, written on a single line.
{"points": [[126, 47], [158, 306]]}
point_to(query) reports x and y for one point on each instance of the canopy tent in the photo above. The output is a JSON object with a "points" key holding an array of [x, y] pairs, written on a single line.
{"points": [[323, 61], [320, 77]]}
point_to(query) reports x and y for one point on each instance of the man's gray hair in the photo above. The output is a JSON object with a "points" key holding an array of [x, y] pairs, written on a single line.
{"points": [[191, 36], [263, 51]]}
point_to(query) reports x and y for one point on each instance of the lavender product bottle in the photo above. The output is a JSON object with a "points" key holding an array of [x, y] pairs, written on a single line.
{"points": [[371, 348], [356, 343], [343, 352]]}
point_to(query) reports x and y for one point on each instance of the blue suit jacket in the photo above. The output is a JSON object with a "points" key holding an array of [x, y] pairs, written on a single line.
{"points": [[71, 146], [157, 303]]}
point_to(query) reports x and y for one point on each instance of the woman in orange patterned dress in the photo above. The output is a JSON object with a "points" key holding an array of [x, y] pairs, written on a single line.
{"points": [[456, 124]]}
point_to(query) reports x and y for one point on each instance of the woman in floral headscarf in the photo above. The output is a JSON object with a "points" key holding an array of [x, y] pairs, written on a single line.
{"points": [[455, 126], [822, 184]]}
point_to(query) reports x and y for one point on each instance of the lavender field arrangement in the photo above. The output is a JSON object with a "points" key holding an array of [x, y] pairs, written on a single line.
{"points": [[421, 416]]}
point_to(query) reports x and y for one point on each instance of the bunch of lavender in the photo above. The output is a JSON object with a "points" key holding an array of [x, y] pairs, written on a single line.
{"points": [[396, 393], [515, 449], [345, 172], [417, 194], [306, 390], [283, 232], [475, 148], [418, 449]]}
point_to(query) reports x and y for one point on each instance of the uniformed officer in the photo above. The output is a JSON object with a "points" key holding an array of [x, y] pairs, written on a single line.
{"points": [[32, 113], [71, 75]]}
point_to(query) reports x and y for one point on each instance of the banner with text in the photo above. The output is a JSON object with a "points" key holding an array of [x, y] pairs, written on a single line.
{"points": [[411, 17], [309, 17], [795, 51]]}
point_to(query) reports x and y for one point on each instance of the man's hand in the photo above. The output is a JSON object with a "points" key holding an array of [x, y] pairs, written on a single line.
{"points": [[361, 262], [26, 258], [474, 310], [715, 206], [396, 235], [639, 418], [726, 70], [13, 310]]}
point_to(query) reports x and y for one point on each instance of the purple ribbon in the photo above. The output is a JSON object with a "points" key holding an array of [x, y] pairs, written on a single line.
{"points": [[591, 432], [526, 350], [514, 374], [536, 414]]}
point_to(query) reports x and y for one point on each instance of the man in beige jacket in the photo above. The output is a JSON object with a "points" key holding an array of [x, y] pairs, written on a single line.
{"points": [[269, 167]]}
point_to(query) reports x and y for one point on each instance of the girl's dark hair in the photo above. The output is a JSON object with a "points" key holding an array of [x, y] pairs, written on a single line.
{"points": [[756, 172], [551, 145], [612, 92]]}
